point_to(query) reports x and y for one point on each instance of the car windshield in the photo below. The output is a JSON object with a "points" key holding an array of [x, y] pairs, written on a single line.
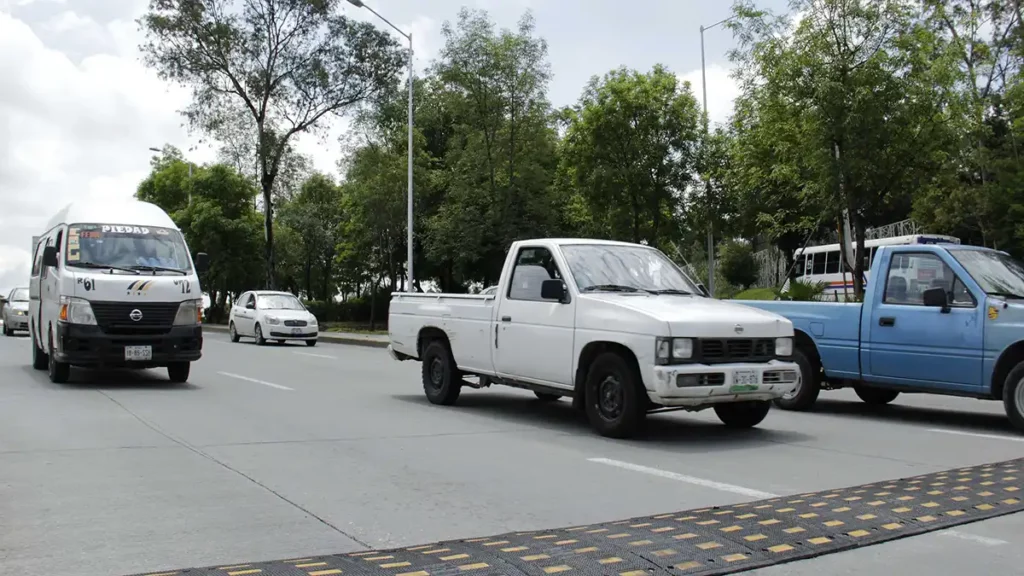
{"points": [[996, 273], [597, 267], [20, 295], [278, 302], [132, 247]]}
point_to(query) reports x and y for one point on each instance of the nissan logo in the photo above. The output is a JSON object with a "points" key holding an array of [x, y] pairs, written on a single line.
{"points": [[738, 328], [136, 315]]}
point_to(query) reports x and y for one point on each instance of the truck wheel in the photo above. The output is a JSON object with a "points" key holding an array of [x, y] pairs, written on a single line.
{"points": [[177, 372], [441, 381], [807, 388], [615, 400], [743, 414], [59, 372], [1013, 396], [260, 340], [39, 359], [545, 397], [875, 396], [233, 332]]}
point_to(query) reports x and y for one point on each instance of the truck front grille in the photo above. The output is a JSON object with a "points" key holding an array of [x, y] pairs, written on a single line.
{"points": [[116, 317], [721, 350]]}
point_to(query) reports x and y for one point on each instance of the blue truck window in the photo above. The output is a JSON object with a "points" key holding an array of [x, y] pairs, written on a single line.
{"points": [[910, 274]]}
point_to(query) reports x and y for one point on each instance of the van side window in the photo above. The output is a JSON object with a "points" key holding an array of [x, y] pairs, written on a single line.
{"points": [[832, 262], [37, 261], [60, 238], [818, 263], [533, 266]]}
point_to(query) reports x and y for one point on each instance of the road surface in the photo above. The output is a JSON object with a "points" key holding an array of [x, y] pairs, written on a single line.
{"points": [[290, 452]]}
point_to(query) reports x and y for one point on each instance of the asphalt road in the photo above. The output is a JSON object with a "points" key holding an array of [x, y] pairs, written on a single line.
{"points": [[289, 451]]}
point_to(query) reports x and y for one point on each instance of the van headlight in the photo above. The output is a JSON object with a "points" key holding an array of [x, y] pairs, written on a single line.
{"points": [[76, 311], [784, 347], [190, 313], [671, 350]]}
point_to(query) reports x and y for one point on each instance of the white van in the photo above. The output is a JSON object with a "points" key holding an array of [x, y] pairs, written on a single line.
{"points": [[113, 285]]}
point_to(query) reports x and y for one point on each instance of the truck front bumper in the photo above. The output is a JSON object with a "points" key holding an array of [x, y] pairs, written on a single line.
{"points": [[89, 346], [704, 384]]}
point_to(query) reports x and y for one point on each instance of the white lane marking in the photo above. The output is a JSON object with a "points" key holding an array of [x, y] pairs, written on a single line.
{"points": [[985, 540], [684, 478], [317, 355], [978, 435], [247, 379]]}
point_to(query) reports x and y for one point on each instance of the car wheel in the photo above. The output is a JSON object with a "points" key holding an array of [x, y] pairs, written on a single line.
{"points": [[616, 402], [177, 372], [442, 382], [260, 340], [875, 396], [233, 332], [310, 343], [59, 372], [808, 385], [743, 414]]}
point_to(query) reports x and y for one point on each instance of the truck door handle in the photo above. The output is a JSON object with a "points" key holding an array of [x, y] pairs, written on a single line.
{"points": [[886, 321], [506, 318]]}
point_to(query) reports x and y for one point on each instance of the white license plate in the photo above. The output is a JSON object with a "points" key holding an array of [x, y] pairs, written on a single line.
{"points": [[138, 353], [296, 330], [745, 378]]}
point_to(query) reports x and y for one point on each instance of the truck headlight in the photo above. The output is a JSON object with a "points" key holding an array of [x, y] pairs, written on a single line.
{"points": [[783, 346], [190, 313], [670, 350], [76, 311]]}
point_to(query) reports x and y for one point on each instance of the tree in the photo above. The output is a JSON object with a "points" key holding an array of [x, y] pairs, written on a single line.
{"points": [[315, 215], [737, 262], [286, 63]]}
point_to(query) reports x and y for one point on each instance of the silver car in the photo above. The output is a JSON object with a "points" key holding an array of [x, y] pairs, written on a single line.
{"points": [[15, 311]]}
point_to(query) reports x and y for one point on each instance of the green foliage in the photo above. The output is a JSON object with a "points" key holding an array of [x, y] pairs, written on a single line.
{"points": [[756, 294], [801, 291], [737, 262]]}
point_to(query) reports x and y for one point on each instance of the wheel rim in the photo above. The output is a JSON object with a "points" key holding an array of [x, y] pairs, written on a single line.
{"points": [[1018, 397], [610, 397], [436, 373], [259, 333], [799, 385], [231, 330]]}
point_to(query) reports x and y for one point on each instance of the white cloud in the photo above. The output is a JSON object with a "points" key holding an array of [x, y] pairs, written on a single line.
{"points": [[722, 91]]}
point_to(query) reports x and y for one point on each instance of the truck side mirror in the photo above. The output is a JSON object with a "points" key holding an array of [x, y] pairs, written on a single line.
{"points": [[50, 256], [936, 298], [552, 290], [202, 262], [703, 289]]}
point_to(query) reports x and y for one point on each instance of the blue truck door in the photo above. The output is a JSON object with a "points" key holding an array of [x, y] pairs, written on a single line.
{"points": [[915, 345]]}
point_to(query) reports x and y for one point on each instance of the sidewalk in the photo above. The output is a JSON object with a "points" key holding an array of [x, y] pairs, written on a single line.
{"points": [[370, 340]]}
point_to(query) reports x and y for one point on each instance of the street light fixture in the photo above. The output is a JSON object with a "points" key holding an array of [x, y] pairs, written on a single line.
{"points": [[707, 182], [360, 4]]}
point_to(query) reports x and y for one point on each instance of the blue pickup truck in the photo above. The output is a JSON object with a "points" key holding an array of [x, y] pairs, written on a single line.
{"points": [[936, 319]]}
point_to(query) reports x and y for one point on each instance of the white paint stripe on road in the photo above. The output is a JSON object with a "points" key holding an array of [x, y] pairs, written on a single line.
{"points": [[985, 540], [247, 379], [978, 434], [684, 478], [317, 355]]}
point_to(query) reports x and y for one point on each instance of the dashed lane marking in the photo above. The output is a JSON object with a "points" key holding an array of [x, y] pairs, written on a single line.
{"points": [[247, 379], [310, 354], [977, 435], [707, 541], [684, 478]]}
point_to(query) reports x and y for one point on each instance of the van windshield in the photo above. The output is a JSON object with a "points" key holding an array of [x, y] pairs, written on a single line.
{"points": [[131, 247]]}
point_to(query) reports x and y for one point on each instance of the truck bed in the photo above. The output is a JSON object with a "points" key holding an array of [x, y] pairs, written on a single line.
{"points": [[466, 319]]}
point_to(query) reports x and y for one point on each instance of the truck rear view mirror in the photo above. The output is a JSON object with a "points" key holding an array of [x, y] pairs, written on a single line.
{"points": [[552, 290], [50, 256], [937, 298], [202, 262]]}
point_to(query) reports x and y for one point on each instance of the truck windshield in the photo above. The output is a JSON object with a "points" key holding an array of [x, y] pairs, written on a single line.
{"points": [[624, 268], [278, 302], [996, 273], [126, 247], [20, 295]]}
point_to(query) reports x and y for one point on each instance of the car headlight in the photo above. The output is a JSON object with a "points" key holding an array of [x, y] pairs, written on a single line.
{"points": [[312, 320], [671, 350], [272, 320], [783, 346], [20, 313], [76, 311], [190, 313]]}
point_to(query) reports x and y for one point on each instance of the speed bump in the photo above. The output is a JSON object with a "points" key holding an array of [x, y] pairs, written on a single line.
{"points": [[706, 541]]}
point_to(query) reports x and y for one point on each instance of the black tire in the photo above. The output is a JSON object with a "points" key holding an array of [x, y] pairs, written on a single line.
{"points": [[6, 331], [1013, 396], [281, 341], [177, 372], [616, 402], [546, 397], [743, 414], [875, 396], [442, 381], [808, 388], [59, 372], [260, 340], [310, 343], [40, 361], [233, 332]]}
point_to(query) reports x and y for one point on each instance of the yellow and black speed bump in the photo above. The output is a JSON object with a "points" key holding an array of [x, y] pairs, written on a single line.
{"points": [[709, 541]]}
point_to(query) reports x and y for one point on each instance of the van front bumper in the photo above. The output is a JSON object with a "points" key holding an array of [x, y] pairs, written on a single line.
{"points": [[89, 346], [704, 384]]}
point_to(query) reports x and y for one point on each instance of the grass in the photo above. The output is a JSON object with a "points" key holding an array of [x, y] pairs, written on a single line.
{"points": [[352, 327], [756, 294]]}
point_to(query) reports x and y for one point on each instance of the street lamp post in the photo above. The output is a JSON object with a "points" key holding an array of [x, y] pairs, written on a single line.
{"points": [[707, 182], [360, 4]]}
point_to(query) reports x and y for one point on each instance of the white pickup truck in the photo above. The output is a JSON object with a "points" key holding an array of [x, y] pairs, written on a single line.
{"points": [[617, 327]]}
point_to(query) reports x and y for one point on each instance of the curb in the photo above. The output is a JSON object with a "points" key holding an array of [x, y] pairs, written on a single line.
{"points": [[367, 342]]}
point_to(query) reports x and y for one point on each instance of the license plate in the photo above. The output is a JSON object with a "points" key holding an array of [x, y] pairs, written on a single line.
{"points": [[296, 330], [745, 378], [138, 353]]}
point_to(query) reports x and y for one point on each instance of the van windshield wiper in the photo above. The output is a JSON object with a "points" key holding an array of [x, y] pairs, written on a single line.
{"points": [[611, 288], [155, 269], [97, 266]]}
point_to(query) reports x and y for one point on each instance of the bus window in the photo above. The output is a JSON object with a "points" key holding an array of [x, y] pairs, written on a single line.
{"points": [[832, 262], [818, 263]]}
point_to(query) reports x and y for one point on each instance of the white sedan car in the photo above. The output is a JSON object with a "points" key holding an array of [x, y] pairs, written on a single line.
{"points": [[14, 312], [267, 315]]}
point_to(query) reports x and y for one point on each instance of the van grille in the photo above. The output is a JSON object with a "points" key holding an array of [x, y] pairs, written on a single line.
{"points": [[719, 350], [115, 317]]}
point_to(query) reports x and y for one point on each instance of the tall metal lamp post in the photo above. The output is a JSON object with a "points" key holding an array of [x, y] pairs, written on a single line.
{"points": [[360, 4], [707, 183]]}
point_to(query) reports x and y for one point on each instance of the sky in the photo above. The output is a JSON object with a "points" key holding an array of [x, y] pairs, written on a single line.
{"points": [[79, 111]]}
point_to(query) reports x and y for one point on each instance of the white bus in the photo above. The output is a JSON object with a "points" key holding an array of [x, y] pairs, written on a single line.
{"points": [[823, 263]]}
